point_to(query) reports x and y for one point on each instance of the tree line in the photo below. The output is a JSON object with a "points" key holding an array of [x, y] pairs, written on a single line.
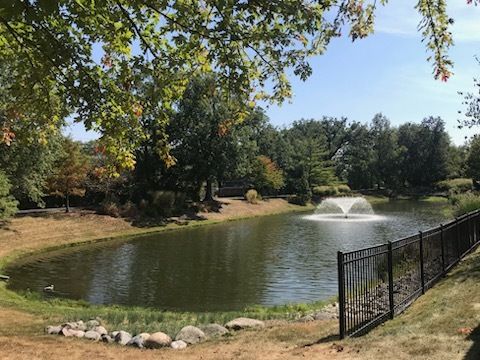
{"points": [[209, 147]]}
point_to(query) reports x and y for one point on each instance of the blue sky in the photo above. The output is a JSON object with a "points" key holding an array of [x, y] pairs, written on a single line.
{"points": [[386, 72]]}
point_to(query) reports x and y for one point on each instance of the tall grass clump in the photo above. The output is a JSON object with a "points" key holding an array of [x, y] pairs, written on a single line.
{"points": [[252, 196], [465, 203]]}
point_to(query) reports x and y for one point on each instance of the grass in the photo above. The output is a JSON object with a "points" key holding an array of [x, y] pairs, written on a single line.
{"points": [[429, 329], [380, 199], [140, 319], [433, 327], [29, 235]]}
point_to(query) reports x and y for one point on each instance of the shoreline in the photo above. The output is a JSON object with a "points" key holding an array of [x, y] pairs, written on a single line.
{"points": [[60, 309], [137, 232]]}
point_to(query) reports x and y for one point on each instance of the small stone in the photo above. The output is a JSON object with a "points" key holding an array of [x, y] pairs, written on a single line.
{"points": [[114, 334], [139, 340], [123, 337], [178, 345], [191, 335], [92, 335], [158, 340], [213, 330], [244, 323], [101, 330], [107, 339], [53, 330]]}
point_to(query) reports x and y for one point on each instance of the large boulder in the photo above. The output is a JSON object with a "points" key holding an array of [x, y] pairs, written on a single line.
{"points": [[107, 339], [123, 337], [158, 340], [213, 330], [101, 330], [244, 323], [191, 335], [53, 330], [92, 335], [66, 331], [178, 345], [77, 333], [139, 340]]}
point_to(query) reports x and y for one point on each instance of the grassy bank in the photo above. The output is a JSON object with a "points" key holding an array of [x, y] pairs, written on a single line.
{"points": [[379, 199], [442, 324], [39, 233]]}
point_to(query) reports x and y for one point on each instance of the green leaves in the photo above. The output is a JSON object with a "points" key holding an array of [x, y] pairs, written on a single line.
{"points": [[165, 43]]}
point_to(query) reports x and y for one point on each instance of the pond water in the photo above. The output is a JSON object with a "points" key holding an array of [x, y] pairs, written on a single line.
{"points": [[268, 261]]}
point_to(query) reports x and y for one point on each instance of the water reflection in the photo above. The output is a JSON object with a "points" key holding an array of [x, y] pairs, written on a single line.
{"points": [[270, 260]]}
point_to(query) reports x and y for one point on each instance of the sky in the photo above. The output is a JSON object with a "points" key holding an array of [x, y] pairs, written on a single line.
{"points": [[386, 72]]}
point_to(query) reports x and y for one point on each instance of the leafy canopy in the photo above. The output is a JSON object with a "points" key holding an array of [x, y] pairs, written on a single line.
{"points": [[250, 45]]}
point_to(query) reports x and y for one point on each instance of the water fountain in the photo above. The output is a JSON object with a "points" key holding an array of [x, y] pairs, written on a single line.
{"points": [[344, 209]]}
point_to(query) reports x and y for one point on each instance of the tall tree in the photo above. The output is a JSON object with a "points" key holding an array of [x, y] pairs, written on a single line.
{"points": [[248, 44], [266, 175], [71, 172], [424, 149], [473, 160], [8, 204], [203, 134], [357, 158], [385, 157], [28, 162]]}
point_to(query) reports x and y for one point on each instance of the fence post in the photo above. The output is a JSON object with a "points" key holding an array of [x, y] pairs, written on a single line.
{"points": [[341, 293], [422, 270], [457, 239], [390, 280], [442, 244]]}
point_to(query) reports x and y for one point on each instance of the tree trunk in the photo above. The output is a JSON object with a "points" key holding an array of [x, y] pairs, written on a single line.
{"points": [[208, 191], [67, 203]]}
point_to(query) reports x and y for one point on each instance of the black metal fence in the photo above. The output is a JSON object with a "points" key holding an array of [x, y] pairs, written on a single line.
{"points": [[379, 282]]}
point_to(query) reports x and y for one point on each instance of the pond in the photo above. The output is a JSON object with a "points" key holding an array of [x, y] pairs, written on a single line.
{"points": [[268, 260]]}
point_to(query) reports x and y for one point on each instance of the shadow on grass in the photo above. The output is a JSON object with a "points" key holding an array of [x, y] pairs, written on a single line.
{"points": [[470, 268], [325, 339], [474, 352]]}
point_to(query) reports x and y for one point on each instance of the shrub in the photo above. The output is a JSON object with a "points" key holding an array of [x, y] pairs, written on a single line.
{"points": [[129, 209], [298, 199], [162, 203], [344, 189], [252, 196], [465, 203], [455, 186], [325, 190], [8, 204], [110, 208]]}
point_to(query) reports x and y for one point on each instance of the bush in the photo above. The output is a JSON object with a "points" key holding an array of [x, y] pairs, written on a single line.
{"points": [[325, 190], [455, 186], [8, 204], [129, 210], [298, 199], [162, 203], [110, 208], [252, 196], [465, 203], [344, 189]]}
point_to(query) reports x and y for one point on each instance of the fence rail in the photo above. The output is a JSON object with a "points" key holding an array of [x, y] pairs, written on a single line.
{"points": [[379, 282]]}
